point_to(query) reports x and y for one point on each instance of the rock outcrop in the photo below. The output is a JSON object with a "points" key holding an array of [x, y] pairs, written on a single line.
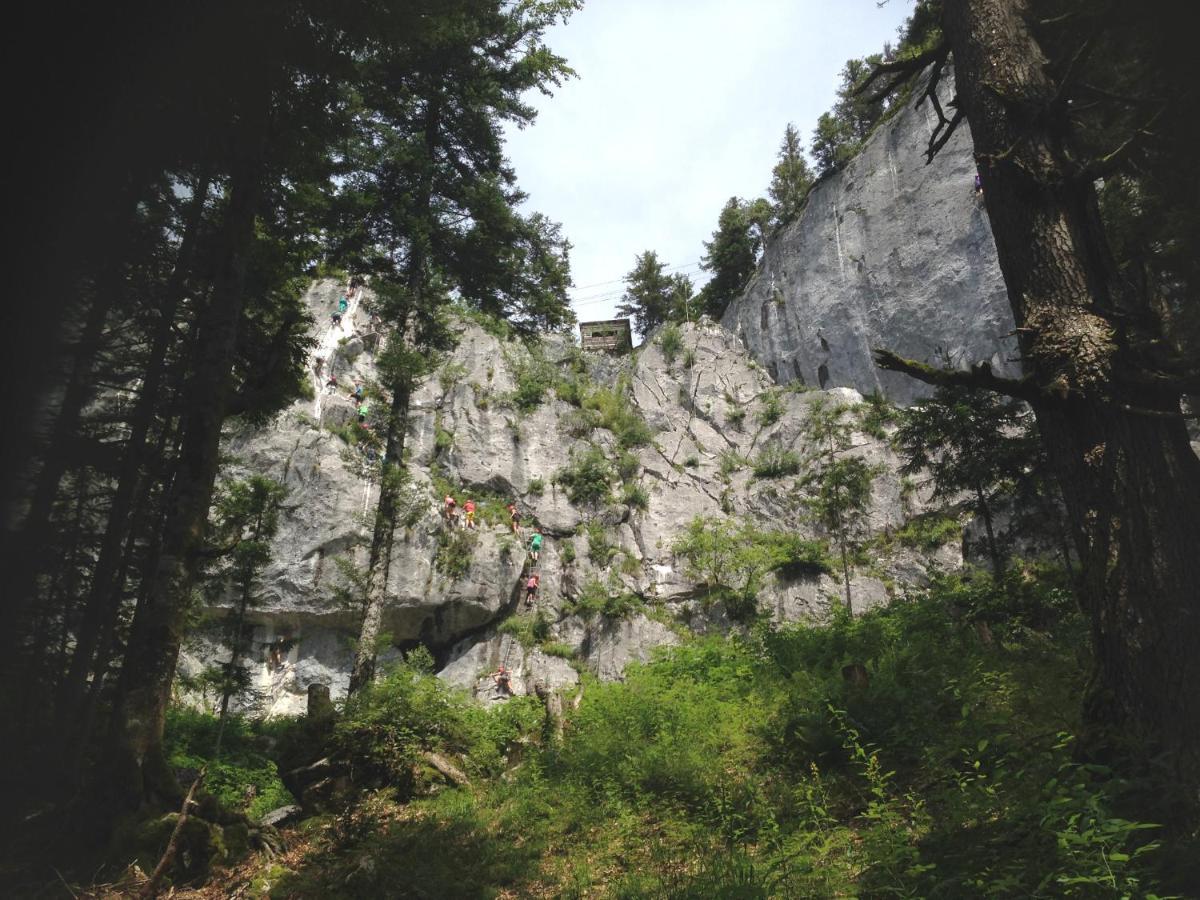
{"points": [[612, 588], [888, 252]]}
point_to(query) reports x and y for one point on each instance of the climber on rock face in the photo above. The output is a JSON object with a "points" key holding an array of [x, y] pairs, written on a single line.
{"points": [[514, 516], [531, 587], [331, 382], [362, 412], [343, 304], [469, 513], [978, 185], [358, 392], [503, 680], [450, 507], [535, 545]]}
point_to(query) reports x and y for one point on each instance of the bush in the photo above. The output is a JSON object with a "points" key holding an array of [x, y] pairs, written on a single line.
{"points": [[775, 462], [537, 487], [586, 479], [613, 410], [388, 724], [567, 550], [600, 549], [689, 358], [735, 416], [635, 497], [533, 375], [244, 779], [610, 600], [670, 341], [455, 551], [772, 408], [730, 462], [691, 462], [930, 531]]}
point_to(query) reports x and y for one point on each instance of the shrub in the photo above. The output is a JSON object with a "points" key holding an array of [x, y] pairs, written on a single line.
{"points": [[600, 549], [670, 341], [735, 416], [691, 462], [689, 358], [635, 497], [244, 779], [627, 465], [613, 410], [389, 724], [537, 487], [443, 440], [567, 550], [586, 479], [730, 462], [772, 408], [455, 550], [929, 532], [533, 375], [775, 462], [610, 600]]}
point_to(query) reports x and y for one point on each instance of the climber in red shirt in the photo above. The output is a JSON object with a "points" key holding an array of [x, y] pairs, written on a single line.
{"points": [[451, 509], [531, 587], [469, 509]]}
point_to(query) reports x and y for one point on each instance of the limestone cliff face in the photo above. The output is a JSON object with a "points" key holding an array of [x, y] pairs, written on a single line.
{"points": [[889, 252], [705, 408]]}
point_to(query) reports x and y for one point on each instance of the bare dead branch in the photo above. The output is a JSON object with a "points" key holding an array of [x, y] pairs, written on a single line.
{"points": [[946, 129]]}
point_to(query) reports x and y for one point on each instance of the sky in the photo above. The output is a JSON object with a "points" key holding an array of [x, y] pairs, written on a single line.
{"points": [[677, 106]]}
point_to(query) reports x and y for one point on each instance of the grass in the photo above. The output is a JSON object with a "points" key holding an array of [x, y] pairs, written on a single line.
{"points": [[751, 767], [775, 462]]}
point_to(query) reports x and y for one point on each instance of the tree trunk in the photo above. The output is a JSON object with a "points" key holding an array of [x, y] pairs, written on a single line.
{"points": [[159, 624], [985, 511], [1116, 444], [103, 604], [379, 562]]}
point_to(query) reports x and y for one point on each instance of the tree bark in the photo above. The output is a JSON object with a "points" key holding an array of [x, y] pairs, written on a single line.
{"points": [[153, 649], [1119, 449], [379, 562], [985, 511]]}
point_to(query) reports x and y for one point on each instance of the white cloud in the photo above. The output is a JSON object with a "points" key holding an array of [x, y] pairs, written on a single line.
{"points": [[678, 106]]}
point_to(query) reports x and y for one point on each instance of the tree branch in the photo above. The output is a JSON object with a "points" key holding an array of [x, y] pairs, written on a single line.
{"points": [[905, 69], [978, 377]]}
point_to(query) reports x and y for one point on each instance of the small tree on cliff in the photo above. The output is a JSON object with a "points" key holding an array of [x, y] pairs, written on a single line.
{"points": [[653, 296], [731, 257], [837, 487], [791, 179]]}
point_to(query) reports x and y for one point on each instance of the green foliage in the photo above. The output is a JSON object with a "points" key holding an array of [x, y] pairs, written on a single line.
{"points": [[775, 462], [455, 551], [732, 558], [610, 600], [670, 342], [537, 487], [587, 477], [875, 414], [651, 296], [531, 629], [245, 778], [772, 408], [635, 497], [612, 409], [601, 549], [689, 358], [566, 549], [389, 724], [443, 440], [791, 179], [691, 461], [751, 767], [732, 254], [735, 415], [730, 462], [929, 532], [534, 376]]}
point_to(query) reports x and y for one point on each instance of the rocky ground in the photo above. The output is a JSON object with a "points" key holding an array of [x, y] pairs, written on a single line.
{"points": [[612, 587]]}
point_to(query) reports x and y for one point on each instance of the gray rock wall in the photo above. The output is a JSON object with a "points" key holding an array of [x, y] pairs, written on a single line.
{"points": [[889, 252], [704, 409]]}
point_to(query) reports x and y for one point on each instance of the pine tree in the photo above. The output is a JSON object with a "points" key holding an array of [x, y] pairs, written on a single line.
{"points": [[791, 179], [731, 256], [652, 296]]}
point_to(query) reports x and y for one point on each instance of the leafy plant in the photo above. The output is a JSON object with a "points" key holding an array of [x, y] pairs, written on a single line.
{"points": [[771, 410], [775, 462], [587, 477], [670, 341]]}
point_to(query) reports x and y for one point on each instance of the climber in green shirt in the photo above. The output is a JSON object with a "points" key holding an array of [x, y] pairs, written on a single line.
{"points": [[535, 545]]}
